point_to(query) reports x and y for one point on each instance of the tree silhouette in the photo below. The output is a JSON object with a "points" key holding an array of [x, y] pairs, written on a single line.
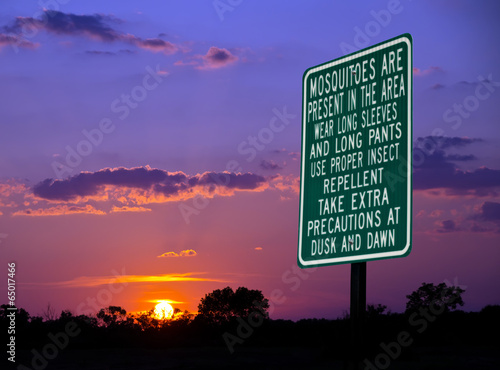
{"points": [[112, 315], [440, 295], [373, 311], [147, 320], [49, 314], [22, 316], [221, 306]]}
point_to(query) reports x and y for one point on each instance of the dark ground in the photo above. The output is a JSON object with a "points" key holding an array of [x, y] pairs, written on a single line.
{"points": [[451, 341], [452, 358]]}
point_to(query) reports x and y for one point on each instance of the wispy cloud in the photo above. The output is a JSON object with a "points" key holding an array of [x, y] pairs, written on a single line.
{"points": [[269, 164], [164, 300], [445, 142], [109, 53], [425, 72], [93, 281], [95, 26]]}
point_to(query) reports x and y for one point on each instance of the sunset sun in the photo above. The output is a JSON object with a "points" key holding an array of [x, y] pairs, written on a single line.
{"points": [[163, 310]]}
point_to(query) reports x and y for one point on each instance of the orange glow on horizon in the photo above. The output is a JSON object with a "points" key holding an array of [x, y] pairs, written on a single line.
{"points": [[87, 281]]}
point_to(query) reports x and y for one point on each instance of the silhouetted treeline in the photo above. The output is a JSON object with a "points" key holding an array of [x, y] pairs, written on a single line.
{"points": [[236, 323], [447, 328]]}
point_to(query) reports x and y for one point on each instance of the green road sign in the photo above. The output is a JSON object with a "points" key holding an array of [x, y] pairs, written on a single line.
{"points": [[356, 167]]}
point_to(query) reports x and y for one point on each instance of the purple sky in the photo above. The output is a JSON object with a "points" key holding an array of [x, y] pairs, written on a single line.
{"points": [[135, 140]]}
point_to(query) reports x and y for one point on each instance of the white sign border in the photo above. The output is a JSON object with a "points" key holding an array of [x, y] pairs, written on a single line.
{"points": [[371, 256]]}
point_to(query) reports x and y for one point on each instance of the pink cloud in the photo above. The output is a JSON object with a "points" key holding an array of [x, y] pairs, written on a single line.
{"points": [[436, 213], [289, 185], [425, 72], [217, 58], [16, 42], [182, 63], [13, 193], [421, 213], [154, 45]]}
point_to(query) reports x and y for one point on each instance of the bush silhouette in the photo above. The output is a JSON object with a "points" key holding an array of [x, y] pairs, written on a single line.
{"points": [[440, 295], [223, 305]]}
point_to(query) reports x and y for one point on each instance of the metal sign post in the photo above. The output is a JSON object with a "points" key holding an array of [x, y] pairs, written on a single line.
{"points": [[358, 310]]}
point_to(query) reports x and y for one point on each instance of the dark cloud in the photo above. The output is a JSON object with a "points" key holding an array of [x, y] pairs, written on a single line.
{"points": [[270, 165], [460, 85], [218, 55], [95, 26], [447, 226], [435, 160], [213, 59], [490, 211], [217, 58], [88, 183], [145, 178], [476, 228], [445, 142], [126, 51], [486, 219], [434, 168], [480, 182], [68, 24], [245, 181], [468, 225], [460, 157], [155, 45], [98, 52], [279, 151], [110, 53]]}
